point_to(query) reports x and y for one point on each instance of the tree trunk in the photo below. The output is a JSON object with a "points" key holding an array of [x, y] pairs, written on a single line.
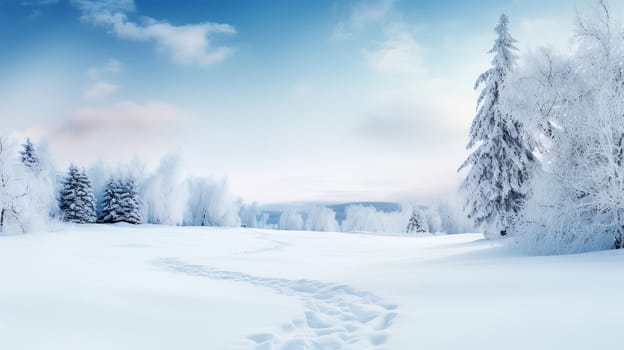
{"points": [[619, 241], [2, 212]]}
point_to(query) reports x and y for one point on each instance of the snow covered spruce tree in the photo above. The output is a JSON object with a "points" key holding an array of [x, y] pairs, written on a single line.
{"points": [[121, 202], [29, 158], [77, 202], [131, 201], [110, 207], [500, 166], [416, 222]]}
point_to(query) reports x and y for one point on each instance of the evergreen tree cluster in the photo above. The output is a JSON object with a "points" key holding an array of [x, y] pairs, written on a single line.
{"points": [[121, 202]]}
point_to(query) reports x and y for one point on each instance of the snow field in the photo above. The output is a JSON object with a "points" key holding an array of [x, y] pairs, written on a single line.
{"points": [[158, 287]]}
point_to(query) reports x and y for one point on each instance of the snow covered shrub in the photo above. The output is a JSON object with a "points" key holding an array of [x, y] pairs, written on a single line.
{"points": [[290, 220], [321, 219], [210, 203], [77, 202], [359, 218], [165, 193]]}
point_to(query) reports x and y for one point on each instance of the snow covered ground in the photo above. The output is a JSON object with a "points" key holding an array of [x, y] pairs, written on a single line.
{"points": [[157, 287]]}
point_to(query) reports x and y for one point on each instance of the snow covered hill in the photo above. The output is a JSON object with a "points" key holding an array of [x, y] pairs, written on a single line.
{"points": [[158, 287]]}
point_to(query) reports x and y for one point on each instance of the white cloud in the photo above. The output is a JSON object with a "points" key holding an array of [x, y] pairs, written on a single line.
{"points": [[189, 44], [105, 5], [112, 66], [36, 6], [100, 89], [370, 12], [416, 119], [398, 53], [34, 14], [363, 14], [121, 116], [118, 131], [39, 2]]}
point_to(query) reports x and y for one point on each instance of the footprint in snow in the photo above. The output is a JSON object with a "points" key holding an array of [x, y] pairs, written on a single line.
{"points": [[336, 316]]}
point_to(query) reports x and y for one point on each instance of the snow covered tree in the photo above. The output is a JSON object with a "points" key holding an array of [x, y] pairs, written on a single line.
{"points": [[578, 203], [251, 216], [290, 219], [121, 202], [500, 165], [29, 157], [417, 222], [165, 193], [211, 204], [321, 219], [110, 207], [367, 218], [42, 181], [131, 202], [77, 202], [14, 191]]}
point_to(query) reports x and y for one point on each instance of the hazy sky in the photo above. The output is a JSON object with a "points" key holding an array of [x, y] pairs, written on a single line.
{"points": [[292, 100]]}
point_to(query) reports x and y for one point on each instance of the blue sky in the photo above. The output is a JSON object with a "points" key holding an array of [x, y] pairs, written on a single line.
{"points": [[292, 100]]}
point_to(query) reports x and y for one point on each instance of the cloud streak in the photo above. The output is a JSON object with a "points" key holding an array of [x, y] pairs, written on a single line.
{"points": [[398, 53], [119, 130], [36, 6], [100, 88], [361, 15], [188, 44], [112, 66], [39, 2], [120, 117]]}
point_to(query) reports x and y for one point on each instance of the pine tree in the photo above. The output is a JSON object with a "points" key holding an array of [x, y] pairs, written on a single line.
{"points": [[77, 201], [121, 202], [29, 158], [500, 166], [110, 207], [131, 202], [416, 222]]}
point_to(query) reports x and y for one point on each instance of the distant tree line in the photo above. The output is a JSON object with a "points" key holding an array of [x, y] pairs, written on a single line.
{"points": [[34, 194]]}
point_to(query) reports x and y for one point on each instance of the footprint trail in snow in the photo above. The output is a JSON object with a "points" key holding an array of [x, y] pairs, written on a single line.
{"points": [[336, 316]]}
